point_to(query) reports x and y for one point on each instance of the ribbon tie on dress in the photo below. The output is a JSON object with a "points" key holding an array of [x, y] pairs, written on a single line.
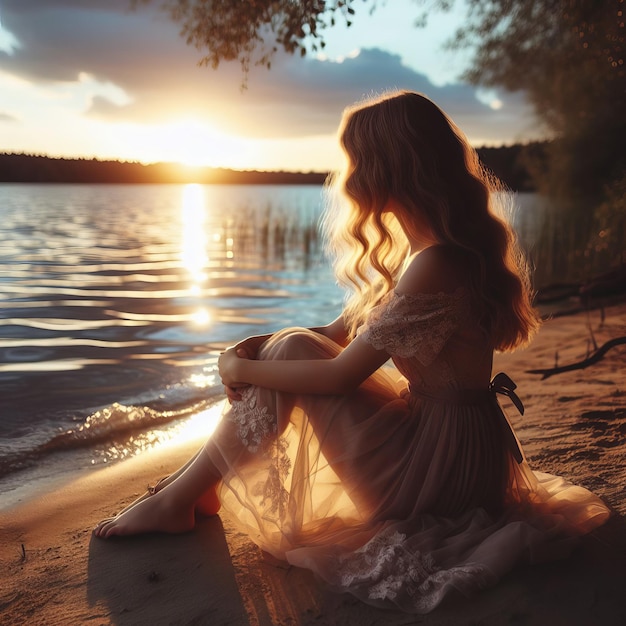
{"points": [[501, 383]]}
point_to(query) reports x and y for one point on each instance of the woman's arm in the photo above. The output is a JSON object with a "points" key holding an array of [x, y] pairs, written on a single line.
{"points": [[340, 374], [249, 348], [336, 331]]}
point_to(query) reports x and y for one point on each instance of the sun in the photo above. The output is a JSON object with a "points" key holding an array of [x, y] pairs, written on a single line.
{"points": [[199, 144]]}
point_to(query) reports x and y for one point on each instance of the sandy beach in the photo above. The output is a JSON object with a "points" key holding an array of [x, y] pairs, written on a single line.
{"points": [[53, 572]]}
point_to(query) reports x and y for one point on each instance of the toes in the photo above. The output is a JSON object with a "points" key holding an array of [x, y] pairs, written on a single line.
{"points": [[102, 529]]}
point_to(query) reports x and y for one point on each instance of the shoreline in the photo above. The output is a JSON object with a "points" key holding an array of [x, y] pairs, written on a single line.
{"points": [[65, 467], [53, 572]]}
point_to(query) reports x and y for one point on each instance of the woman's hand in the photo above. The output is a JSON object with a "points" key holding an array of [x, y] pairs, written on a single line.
{"points": [[251, 345], [234, 392], [228, 370], [246, 349]]}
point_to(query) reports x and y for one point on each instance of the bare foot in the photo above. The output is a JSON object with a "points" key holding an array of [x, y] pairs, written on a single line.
{"points": [[150, 491], [160, 484], [158, 513], [207, 506]]}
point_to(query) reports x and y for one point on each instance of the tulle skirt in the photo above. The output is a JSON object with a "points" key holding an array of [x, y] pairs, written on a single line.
{"points": [[398, 498]]}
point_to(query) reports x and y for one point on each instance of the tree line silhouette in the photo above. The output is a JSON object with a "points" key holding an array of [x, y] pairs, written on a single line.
{"points": [[509, 163]]}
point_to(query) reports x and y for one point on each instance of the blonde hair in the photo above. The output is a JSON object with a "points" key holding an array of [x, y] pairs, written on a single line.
{"points": [[401, 146]]}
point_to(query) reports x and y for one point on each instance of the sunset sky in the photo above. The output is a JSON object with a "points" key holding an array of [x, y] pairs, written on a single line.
{"points": [[89, 78]]}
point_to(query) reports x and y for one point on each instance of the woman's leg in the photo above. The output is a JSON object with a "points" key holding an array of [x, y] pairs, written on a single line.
{"points": [[172, 508], [163, 482]]}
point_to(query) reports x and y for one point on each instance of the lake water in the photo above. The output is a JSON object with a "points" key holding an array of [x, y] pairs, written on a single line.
{"points": [[117, 299]]}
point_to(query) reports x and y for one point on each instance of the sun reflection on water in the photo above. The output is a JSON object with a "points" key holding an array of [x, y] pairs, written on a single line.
{"points": [[201, 317], [194, 241], [194, 246], [197, 427], [202, 381]]}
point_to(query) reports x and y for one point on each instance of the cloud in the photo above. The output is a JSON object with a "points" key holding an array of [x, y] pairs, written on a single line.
{"points": [[59, 40], [102, 107], [142, 54], [7, 118]]}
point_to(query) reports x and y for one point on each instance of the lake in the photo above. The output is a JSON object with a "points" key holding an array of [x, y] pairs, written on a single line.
{"points": [[117, 299]]}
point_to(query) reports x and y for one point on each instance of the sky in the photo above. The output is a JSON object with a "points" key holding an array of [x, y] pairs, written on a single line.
{"points": [[93, 79]]}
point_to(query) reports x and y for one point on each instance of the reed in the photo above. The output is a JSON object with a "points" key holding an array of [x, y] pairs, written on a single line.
{"points": [[564, 251], [573, 247], [277, 238]]}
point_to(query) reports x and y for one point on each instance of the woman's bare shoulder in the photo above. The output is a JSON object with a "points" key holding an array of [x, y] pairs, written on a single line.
{"points": [[435, 269]]}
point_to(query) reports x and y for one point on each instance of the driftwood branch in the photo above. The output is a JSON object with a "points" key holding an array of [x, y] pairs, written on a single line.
{"points": [[579, 365]]}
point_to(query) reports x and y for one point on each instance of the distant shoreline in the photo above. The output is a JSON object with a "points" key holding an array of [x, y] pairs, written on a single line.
{"points": [[26, 168], [506, 162]]}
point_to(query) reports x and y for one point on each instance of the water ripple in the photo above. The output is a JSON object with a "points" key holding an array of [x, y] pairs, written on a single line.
{"points": [[113, 295]]}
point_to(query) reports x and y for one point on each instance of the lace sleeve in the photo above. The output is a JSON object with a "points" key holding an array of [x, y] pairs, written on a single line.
{"points": [[415, 325]]}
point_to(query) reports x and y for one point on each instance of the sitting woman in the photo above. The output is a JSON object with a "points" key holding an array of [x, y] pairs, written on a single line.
{"points": [[397, 484]]}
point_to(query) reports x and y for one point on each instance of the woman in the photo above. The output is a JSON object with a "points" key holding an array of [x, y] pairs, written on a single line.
{"points": [[396, 484]]}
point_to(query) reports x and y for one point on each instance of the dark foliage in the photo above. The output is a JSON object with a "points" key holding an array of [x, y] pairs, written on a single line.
{"points": [[506, 162], [26, 168]]}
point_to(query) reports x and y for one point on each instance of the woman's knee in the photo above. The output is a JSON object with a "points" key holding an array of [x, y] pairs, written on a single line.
{"points": [[299, 343]]}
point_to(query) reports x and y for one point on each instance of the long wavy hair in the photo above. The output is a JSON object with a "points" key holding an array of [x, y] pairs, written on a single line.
{"points": [[401, 146]]}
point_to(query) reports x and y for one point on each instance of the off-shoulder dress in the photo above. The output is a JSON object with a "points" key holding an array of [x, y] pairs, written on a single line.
{"points": [[413, 486]]}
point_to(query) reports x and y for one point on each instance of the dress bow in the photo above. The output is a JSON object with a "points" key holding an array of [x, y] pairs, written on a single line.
{"points": [[501, 383]]}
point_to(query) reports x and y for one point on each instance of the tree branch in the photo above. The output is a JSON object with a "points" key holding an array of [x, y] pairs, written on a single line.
{"points": [[579, 365]]}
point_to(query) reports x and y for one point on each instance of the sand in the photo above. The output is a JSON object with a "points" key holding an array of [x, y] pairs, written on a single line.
{"points": [[53, 572]]}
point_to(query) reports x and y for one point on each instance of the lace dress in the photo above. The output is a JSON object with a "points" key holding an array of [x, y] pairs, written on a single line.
{"points": [[409, 488]]}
